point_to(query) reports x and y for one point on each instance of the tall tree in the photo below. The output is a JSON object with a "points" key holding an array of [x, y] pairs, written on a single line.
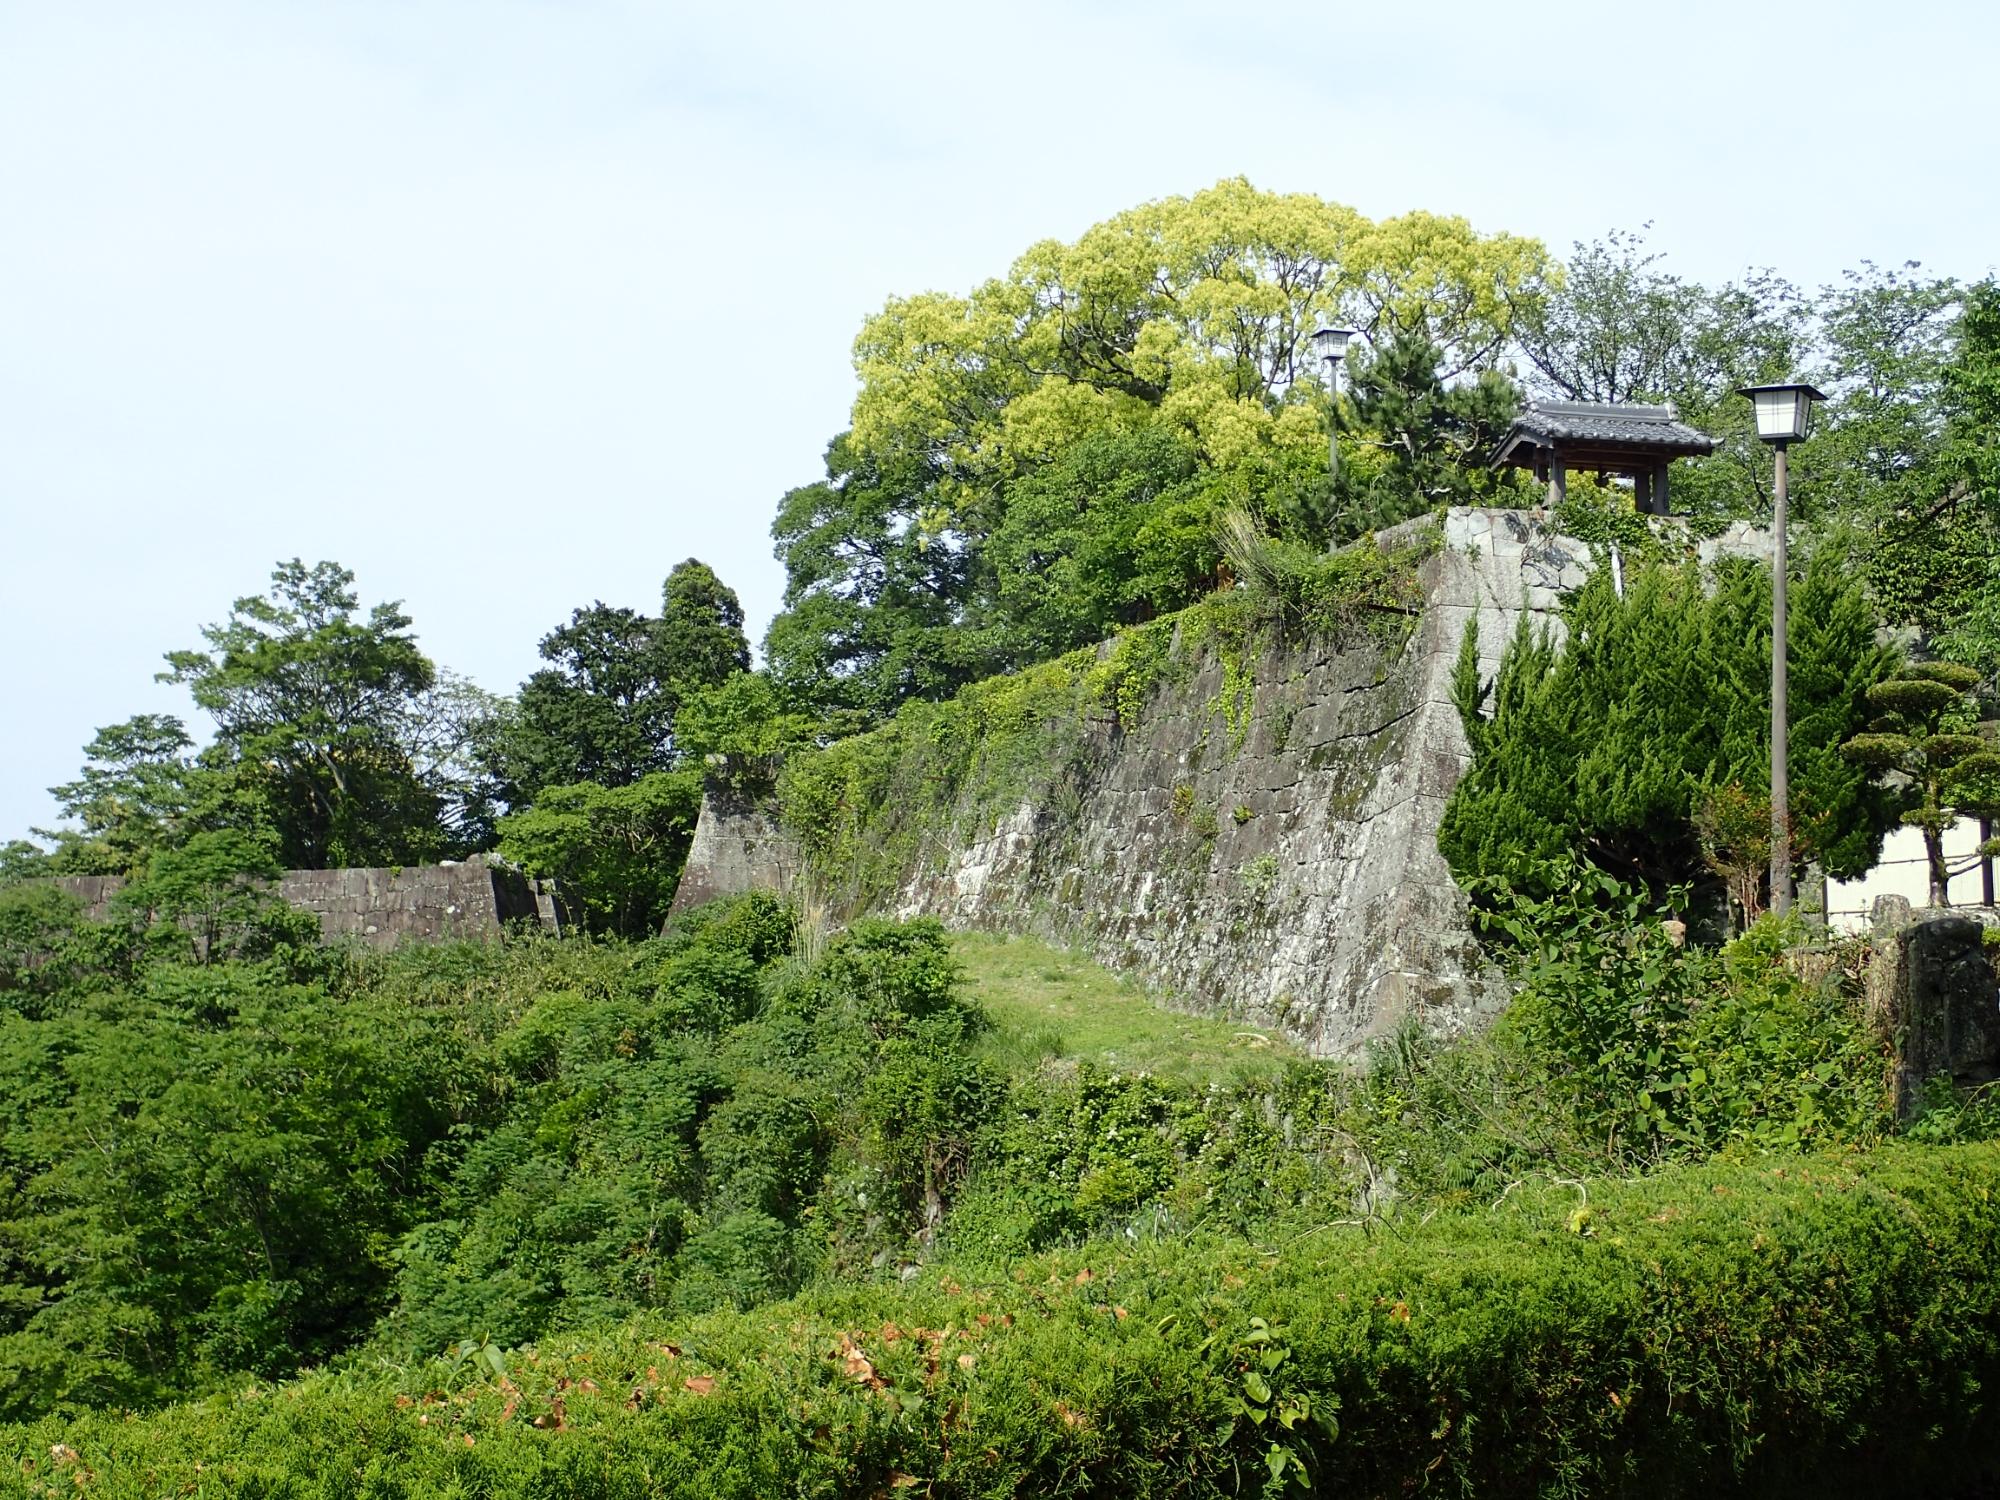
{"points": [[877, 585], [1181, 329], [1419, 442], [1936, 560], [600, 711], [1610, 747], [1619, 327], [699, 640], [313, 702], [603, 710], [143, 789]]}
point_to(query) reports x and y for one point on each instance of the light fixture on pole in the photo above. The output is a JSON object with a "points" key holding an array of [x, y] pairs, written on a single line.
{"points": [[1330, 343], [1783, 414]]}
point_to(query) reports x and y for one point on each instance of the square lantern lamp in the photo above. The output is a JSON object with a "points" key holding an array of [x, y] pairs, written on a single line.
{"points": [[1783, 411], [1330, 343]]}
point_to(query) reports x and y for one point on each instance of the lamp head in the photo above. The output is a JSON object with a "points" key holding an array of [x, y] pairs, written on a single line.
{"points": [[1783, 411], [1330, 343]]}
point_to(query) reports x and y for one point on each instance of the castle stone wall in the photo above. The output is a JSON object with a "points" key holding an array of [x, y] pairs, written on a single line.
{"points": [[383, 907], [1287, 872]]}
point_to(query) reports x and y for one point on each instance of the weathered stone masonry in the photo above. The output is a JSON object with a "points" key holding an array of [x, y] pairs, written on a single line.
{"points": [[425, 903], [1285, 871]]}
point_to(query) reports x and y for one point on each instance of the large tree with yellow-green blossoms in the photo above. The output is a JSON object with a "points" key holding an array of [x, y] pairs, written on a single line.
{"points": [[1169, 346]]}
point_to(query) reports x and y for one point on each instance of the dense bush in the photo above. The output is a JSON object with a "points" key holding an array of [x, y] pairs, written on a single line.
{"points": [[661, 1141], [1607, 748], [1818, 1327], [225, 1152]]}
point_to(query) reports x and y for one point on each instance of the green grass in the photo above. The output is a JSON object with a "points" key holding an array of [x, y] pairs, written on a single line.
{"points": [[1052, 1005]]}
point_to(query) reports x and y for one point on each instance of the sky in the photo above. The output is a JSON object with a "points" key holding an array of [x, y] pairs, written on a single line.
{"points": [[510, 306]]}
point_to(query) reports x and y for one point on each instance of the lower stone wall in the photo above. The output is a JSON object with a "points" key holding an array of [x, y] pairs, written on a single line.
{"points": [[383, 907], [1933, 993]]}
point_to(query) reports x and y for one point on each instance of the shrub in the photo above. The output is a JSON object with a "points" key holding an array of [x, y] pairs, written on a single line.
{"points": [[1723, 1330]]}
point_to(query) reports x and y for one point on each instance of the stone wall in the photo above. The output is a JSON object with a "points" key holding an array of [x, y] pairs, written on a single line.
{"points": [[425, 903], [737, 847], [1285, 871], [1933, 993]]}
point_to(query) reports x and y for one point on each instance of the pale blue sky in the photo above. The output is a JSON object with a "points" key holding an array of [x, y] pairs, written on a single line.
{"points": [[509, 306]]}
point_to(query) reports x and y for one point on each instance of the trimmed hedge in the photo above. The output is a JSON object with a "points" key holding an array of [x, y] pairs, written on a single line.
{"points": [[1824, 1326]]}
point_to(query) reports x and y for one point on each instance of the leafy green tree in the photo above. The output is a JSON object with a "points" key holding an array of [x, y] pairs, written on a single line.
{"points": [[1047, 455], [1608, 747], [312, 704], [208, 1147], [1923, 730], [1618, 327], [1936, 558], [617, 850], [21, 859], [1886, 338], [603, 710], [44, 947], [1114, 530], [876, 591], [599, 713], [143, 789], [1422, 444], [742, 728], [699, 640]]}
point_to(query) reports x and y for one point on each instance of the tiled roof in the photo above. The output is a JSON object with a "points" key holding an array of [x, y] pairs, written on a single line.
{"points": [[1603, 425]]}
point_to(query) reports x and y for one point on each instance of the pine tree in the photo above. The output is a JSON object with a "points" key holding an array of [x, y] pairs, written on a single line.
{"points": [[1923, 730]]}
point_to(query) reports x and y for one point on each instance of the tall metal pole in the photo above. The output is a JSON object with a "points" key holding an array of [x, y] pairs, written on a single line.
{"points": [[1781, 833], [1333, 420]]}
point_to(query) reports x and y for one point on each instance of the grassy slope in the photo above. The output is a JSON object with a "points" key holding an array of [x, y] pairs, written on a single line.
{"points": [[1051, 1005]]}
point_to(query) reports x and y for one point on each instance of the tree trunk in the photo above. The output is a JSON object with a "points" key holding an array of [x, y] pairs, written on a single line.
{"points": [[1940, 875]]}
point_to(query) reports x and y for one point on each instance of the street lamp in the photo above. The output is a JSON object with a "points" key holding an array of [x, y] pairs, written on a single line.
{"points": [[1330, 343], [1783, 414]]}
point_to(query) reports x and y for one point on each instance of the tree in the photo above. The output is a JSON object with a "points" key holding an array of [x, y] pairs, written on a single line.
{"points": [[313, 706], [600, 712], [209, 898], [1193, 311], [1424, 444], [1116, 529], [1092, 413], [1937, 560], [699, 640], [617, 850], [1923, 731], [142, 789], [1608, 748], [876, 590], [1885, 340], [1617, 327], [603, 710]]}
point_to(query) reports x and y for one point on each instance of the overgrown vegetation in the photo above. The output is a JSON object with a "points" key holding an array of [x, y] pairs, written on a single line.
{"points": [[863, 807], [536, 1197]]}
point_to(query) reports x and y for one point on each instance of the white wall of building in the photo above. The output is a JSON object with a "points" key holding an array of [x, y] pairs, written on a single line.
{"points": [[1902, 872]]}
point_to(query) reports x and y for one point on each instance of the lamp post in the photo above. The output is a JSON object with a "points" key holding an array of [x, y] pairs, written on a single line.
{"points": [[1783, 414], [1330, 343]]}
